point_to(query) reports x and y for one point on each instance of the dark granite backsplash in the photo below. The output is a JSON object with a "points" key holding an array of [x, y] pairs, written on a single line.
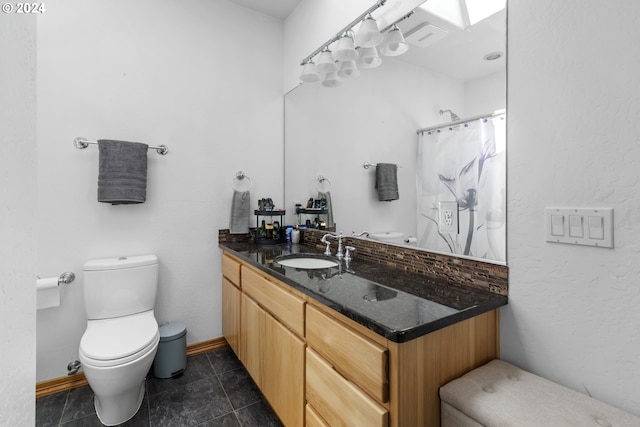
{"points": [[473, 273]]}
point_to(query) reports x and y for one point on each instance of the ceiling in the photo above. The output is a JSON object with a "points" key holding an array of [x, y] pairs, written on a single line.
{"points": [[459, 54], [277, 8]]}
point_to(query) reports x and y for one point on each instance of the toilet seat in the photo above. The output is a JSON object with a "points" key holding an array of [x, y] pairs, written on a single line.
{"points": [[111, 342]]}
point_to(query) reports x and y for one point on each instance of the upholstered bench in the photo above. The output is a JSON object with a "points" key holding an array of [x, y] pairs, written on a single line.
{"points": [[500, 394]]}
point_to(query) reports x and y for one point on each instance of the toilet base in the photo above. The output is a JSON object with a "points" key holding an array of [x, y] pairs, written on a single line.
{"points": [[119, 390], [123, 407]]}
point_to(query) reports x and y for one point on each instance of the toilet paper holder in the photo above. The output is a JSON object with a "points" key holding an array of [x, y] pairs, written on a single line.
{"points": [[66, 277]]}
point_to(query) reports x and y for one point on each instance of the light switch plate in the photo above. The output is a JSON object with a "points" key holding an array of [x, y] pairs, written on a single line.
{"points": [[580, 226], [448, 217]]}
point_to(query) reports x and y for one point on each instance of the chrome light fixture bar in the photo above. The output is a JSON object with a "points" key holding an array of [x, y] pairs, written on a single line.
{"points": [[378, 4], [397, 21]]}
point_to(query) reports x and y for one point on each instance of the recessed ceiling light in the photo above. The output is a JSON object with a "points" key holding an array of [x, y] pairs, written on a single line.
{"points": [[492, 56]]}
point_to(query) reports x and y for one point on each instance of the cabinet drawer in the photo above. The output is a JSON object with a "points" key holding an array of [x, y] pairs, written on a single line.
{"points": [[283, 305], [337, 400], [312, 419], [357, 358], [231, 269]]}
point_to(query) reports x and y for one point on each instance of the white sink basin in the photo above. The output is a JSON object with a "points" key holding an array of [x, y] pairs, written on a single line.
{"points": [[306, 262]]}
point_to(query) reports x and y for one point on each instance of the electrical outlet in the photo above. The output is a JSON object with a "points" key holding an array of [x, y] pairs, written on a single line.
{"points": [[448, 217]]}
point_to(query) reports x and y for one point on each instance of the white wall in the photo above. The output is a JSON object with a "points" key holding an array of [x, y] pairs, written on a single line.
{"points": [[202, 77], [17, 211], [574, 140], [485, 95]]}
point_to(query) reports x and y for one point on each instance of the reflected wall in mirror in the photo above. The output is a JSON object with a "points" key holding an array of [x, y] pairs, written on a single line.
{"points": [[332, 132]]}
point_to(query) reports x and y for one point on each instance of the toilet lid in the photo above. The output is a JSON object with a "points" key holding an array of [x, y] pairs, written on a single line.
{"points": [[110, 339]]}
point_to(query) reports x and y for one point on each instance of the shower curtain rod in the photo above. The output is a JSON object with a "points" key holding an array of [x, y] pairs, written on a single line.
{"points": [[459, 122]]}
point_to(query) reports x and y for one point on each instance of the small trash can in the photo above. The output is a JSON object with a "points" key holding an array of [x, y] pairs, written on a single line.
{"points": [[171, 357]]}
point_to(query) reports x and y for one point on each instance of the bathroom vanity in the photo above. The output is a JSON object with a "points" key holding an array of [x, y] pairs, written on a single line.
{"points": [[347, 345]]}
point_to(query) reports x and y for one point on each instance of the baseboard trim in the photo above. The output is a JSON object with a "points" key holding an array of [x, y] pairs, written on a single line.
{"points": [[57, 385], [206, 346]]}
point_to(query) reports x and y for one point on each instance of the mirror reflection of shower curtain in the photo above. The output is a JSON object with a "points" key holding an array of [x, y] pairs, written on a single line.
{"points": [[464, 163]]}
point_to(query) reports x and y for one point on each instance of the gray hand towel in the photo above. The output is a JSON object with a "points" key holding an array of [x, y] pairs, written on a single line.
{"points": [[387, 182], [122, 172], [240, 209]]}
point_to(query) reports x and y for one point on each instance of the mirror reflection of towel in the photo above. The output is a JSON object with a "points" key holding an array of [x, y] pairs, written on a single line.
{"points": [[387, 182], [122, 172], [240, 209]]}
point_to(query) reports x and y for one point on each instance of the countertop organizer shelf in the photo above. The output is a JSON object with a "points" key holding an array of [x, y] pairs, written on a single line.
{"points": [[275, 230]]}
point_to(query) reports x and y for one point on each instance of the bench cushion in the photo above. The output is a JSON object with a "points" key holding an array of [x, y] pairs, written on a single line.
{"points": [[500, 394]]}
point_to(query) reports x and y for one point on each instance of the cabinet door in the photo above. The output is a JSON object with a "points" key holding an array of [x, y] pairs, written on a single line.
{"points": [[282, 372], [231, 315], [250, 341]]}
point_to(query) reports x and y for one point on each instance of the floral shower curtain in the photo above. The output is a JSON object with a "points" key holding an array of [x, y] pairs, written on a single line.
{"points": [[465, 163]]}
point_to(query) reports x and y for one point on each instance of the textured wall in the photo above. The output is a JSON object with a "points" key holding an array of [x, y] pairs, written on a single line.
{"points": [[574, 140], [17, 209], [191, 75]]}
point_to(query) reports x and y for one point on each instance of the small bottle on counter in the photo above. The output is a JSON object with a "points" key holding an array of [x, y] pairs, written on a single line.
{"points": [[295, 235]]}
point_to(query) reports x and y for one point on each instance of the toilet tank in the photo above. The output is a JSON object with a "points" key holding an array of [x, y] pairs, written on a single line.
{"points": [[115, 287], [395, 237]]}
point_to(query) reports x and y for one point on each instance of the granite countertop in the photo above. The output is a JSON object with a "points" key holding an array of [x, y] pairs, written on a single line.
{"points": [[398, 305]]}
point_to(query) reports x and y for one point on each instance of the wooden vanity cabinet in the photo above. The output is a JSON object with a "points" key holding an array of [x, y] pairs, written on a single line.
{"points": [[231, 302], [270, 348], [318, 368]]}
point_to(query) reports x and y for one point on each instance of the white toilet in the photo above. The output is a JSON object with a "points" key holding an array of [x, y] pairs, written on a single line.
{"points": [[121, 340], [395, 237]]}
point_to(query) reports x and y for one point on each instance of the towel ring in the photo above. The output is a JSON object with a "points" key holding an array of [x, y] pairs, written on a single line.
{"points": [[241, 182], [323, 184]]}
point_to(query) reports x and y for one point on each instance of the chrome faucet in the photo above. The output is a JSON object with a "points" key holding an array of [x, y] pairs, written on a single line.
{"points": [[338, 237], [364, 233]]}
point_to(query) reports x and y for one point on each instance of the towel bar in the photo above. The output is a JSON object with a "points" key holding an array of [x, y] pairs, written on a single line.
{"points": [[367, 165], [81, 143]]}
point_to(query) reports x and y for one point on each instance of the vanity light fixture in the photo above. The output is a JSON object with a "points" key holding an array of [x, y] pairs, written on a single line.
{"points": [[394, 43], [331, 79], [326, 64], [348, 69], [345, 51], [369, 35], [369, 57], [351, 52], [309, 73]]}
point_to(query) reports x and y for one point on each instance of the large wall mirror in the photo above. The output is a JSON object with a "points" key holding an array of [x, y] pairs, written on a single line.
{"points": [[454, 67]]}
